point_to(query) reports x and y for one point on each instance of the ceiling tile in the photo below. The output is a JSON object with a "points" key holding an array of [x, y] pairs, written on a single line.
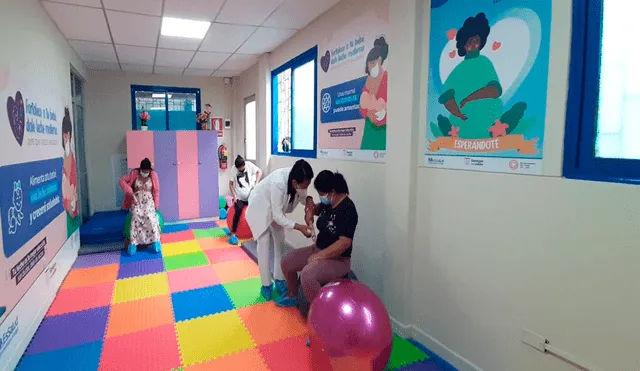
{"points": [[135, 68], [239, 62], [150, 7], [173, 58], [298, 13], [77, 22], [224, 73], [180, 43], [265, 40], [198, 10], [94, 52], [197, 72], [207, 60], [136, 55], [168, 70], [91, 3], [226, 37], [251, 12], [134, 29], [102, 66]]}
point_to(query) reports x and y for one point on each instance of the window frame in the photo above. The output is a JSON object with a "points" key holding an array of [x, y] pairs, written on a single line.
{"points": [[305, 57], [250, 99], [580, 161], [162, 89]]}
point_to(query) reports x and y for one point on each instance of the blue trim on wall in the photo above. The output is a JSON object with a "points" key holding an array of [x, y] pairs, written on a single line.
{"points": [[162, 89], [580, 161], [306, 57]]}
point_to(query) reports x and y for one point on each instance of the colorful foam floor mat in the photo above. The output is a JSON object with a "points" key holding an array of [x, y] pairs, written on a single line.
{"points": [[196, 306]]}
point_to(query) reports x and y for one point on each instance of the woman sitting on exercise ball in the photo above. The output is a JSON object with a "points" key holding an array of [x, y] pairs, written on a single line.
{"points": [[330, 257], [142, 198], [247, 175]]}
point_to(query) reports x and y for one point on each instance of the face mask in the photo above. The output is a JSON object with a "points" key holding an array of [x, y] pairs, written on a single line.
{"points": [[302, 192], [67, 149], [325, 200], [144, 175], [374, 71]]}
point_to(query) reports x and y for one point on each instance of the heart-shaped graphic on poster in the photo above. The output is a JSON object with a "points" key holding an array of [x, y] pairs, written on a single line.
{"points": [[15, 111], [325, 61]]}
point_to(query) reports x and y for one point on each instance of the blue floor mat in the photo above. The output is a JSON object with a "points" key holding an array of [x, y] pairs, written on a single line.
{"points": [[103, 227]]}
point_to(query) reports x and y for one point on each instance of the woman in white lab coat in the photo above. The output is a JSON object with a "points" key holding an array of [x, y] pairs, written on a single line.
{"points": [[278, 194]]}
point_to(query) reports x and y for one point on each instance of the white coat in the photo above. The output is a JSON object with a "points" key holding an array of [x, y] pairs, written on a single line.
{"points": [[269, 202]]}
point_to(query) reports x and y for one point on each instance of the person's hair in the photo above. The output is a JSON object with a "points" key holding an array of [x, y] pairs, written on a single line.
{"points": [[300, 172], [145, 165], [472, 26], [380, 50], [67, 128], [239, 161], [328, 181]]}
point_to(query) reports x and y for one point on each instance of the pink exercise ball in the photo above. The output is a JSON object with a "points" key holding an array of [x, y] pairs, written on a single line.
{"points": [[349, 328]]}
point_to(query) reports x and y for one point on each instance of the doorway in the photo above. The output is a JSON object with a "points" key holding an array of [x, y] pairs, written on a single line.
{"points": [[77, 101], [250, 134]]}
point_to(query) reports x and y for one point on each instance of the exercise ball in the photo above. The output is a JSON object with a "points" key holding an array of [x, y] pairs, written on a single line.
{"points": [[243, 231], [223, 202], [127, 224], [349, 328], [223, 214]]}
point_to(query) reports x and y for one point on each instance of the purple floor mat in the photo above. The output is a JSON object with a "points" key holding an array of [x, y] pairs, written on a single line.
{"points": [[140, 268], [94, 260], [69, 330], [203, 225]]}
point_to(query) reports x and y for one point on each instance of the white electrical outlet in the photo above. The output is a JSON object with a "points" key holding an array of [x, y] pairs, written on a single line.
{"points": [[531, 338]]}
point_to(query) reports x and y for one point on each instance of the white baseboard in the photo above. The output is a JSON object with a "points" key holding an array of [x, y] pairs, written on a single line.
{"points": [[201, 220], [444, 352], [23, 321]]}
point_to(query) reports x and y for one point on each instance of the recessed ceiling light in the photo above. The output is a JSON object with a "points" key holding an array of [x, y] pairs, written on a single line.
{"points": [[184, 28]]}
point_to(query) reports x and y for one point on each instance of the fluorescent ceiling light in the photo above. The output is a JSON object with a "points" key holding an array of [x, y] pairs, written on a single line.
{"points": [[159, 95], [184, 28]]}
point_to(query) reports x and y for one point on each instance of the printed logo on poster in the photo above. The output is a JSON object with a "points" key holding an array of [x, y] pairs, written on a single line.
{"points": [[488, 81], [7, 336]]}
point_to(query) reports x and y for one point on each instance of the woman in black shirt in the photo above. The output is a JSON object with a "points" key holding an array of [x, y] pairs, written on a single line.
{"points": [[330, 257]]}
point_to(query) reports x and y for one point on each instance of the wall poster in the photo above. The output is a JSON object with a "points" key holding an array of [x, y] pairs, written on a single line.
{"points": [[353, 79], [487, 88]]}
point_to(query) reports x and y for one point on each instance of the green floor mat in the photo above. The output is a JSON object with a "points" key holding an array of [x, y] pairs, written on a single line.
{"points": [[210, 233], [196, 259], [404, 354], [244, 293]]}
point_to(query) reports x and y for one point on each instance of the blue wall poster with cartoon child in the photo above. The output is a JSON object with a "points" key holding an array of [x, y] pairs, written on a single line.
{"points": [[487, 88]]}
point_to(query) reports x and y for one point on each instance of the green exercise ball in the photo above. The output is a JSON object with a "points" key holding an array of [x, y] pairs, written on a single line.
{"points": [[223, 202], [127, 224]]}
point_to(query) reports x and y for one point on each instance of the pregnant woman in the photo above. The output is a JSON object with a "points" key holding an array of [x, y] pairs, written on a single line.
{"points": [[373, 100], [142, 196]]}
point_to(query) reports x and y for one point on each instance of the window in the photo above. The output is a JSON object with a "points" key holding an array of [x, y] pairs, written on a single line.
{"points": [[169, 108], [294, 108], [250, 150], [603, 105]]}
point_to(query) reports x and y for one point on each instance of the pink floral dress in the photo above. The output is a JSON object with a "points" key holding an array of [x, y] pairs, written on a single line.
{"points": [[145, 227]]}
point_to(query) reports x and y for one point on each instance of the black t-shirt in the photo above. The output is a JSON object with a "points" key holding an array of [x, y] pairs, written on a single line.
{"points": [[336, 223]]}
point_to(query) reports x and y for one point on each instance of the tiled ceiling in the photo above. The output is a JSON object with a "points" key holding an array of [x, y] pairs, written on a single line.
{"points": [[125, 34]]}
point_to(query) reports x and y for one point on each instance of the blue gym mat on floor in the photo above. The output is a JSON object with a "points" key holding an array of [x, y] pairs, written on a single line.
{"points": [[104, 227]]}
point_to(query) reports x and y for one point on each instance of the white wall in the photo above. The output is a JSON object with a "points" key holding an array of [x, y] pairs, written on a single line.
{"points": [[465, 260], [496, 253], [108, 118]]}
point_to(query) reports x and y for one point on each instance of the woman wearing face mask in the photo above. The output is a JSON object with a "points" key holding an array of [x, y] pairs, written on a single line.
{"points": [[330, 257], [142, 197], [373, 100], [69, 172], [247, 176], [278, 194]]}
